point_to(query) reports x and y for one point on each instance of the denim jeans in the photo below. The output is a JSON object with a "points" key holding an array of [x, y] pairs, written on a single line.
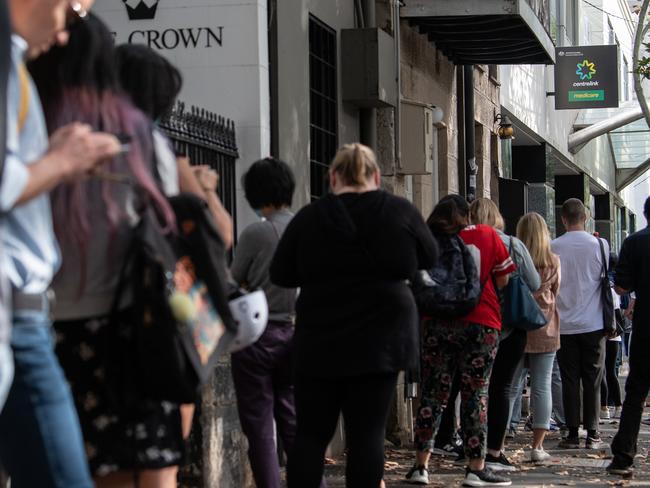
{"points": [[40, 439], [556, 393], [540, 366]]}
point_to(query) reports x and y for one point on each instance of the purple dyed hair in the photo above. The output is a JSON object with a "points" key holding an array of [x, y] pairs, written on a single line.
{"points": [[71, 202]]}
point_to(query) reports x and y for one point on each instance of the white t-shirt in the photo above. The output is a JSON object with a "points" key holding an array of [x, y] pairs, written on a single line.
{"points": [[578, 302]]}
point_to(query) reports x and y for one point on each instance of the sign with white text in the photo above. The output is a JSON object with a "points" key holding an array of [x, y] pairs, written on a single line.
{"points": [[586, 77]]}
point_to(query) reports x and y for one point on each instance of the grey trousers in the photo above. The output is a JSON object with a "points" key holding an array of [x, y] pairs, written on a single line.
{"points": [[582, 360]]}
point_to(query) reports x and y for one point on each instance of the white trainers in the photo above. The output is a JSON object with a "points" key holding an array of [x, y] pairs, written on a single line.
{"points": [[539, 455], [617, 412], [418, 475], [604, 413]]}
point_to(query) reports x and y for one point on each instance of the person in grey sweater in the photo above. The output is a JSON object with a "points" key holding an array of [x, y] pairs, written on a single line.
{"points": [[262, 371], [511, 343]]}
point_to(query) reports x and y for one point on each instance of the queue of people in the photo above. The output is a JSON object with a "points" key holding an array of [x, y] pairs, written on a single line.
{"points": [[349, 280]]}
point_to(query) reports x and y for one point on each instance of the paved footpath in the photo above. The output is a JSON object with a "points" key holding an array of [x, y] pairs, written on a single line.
{"points": [[579, 467]]}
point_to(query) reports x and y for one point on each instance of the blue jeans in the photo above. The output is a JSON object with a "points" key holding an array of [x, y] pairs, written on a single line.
{"points": [[540, 366], [40, 439]]}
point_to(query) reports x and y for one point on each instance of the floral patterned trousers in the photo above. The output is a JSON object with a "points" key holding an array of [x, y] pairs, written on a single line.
{"points": [[449, 348]]}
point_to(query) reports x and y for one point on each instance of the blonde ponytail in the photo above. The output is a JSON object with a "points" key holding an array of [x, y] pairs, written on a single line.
{"points": [[355, 164]]}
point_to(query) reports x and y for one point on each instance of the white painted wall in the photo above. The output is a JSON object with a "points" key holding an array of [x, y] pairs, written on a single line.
{"points": [[230, 79]]}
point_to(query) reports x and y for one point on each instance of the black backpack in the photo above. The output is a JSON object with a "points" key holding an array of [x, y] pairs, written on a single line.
{"points": [[452, 288]]}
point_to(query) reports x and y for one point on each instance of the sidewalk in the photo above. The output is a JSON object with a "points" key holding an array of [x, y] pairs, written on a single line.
{"points": [[579, 467]]}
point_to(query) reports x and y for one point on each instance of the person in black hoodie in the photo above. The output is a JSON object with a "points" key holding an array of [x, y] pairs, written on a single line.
{"points": [[351, 254]]}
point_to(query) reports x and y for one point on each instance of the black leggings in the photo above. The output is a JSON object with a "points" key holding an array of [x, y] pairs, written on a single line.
{"points": [[609, 387], [511, 349], [365, 403]]}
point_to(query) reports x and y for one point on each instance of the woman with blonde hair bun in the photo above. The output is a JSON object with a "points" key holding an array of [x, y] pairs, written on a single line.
{"points": [[351, 253], [511, 343], [541, 344]]}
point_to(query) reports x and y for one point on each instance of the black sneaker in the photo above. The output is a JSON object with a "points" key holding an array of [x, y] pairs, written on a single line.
{"points": [[617, 467], [485, 477], [569, 443], [418, 475], [499, 463], [448, 450]]}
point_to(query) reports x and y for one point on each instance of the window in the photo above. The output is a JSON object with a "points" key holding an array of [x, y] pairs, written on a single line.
{"points": [[323, 123], [571, 20], [554, 20]]}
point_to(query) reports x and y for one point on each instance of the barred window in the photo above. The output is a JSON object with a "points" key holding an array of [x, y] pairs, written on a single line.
{"points": [[323, 118]]}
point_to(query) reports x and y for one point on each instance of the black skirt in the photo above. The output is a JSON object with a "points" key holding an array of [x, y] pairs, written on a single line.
{"points": [[144, 434]]}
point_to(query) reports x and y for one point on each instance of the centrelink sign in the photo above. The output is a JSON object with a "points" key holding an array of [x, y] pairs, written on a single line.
{"points": [[586, 77]]}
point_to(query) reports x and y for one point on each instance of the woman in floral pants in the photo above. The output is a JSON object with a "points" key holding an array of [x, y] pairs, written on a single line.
{"points": [[467, 346], [472, 347]]}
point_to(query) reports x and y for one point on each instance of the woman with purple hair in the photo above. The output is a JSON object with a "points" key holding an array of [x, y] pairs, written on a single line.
{"points": [[93, 221]]}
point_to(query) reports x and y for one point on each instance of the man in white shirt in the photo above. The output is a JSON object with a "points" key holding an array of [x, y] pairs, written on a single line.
{"points": [[581, 356]]}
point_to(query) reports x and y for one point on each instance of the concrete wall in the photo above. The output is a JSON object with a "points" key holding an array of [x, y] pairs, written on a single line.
{"points": [[293, 86]]}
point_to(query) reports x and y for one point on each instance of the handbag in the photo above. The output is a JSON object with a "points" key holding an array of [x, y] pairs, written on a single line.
{"points": [[609, 323], [520, 309], [180, 322]]}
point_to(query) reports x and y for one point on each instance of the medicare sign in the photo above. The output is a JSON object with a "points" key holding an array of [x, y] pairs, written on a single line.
{"points": [[586, 77]]}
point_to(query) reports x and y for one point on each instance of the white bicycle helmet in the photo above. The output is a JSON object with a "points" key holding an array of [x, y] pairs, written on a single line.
{"points": [[251, 313]]}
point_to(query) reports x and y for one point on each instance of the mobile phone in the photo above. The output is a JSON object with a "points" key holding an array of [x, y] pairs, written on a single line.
{"points": [[125, 142]]}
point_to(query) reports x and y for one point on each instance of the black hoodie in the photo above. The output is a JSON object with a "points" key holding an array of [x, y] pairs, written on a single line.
{"points": [[351, 255]]}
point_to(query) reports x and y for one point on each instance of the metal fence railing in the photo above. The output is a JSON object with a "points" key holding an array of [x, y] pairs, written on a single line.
{"points": [[206, 138]]}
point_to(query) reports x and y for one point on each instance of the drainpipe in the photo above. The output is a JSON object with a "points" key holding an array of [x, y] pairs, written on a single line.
{"points": [[398, 80], [368, 116], [470, 158]]}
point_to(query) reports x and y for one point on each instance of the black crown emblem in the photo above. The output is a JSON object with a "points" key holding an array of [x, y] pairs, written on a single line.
{"points": [[141, 9]]}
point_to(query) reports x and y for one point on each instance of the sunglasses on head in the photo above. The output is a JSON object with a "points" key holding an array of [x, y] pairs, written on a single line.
{"points": [[75, 13]]}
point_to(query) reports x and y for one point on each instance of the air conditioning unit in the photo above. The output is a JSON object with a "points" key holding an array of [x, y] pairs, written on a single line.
{"points": [[417, 132], [368, 70]]}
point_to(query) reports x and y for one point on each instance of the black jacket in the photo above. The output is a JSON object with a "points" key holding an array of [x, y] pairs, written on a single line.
{"points": [[633, 273], [351, 255]]}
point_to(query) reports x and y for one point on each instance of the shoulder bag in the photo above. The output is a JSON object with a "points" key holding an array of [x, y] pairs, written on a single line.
{"points": [[520, 309], [609, 323]]}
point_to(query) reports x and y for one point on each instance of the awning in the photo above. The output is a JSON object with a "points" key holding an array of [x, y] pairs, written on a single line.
{"points": [[485, 31], [630, 143]]}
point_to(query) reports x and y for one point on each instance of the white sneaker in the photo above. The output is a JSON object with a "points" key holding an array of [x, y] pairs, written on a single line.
{"points": [[604, 413], [539, 455], [418, 475], [617, 412]]}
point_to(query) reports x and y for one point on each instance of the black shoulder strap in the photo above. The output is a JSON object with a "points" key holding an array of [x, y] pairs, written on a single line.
{"points": [[603, 257], [5, 64]]}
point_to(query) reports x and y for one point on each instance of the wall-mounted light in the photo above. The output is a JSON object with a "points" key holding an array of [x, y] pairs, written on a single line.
{"points": [[437, 115], [506, 131]]}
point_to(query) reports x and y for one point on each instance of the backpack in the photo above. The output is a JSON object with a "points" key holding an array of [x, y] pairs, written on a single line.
{"points": [[452, 288]]}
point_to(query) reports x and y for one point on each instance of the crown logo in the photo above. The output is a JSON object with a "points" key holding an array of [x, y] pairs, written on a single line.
{"points": [[141, 9]]}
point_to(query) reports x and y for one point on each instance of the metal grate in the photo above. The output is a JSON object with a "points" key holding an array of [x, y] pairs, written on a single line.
{"points": [[323, 117], [206, 138]]}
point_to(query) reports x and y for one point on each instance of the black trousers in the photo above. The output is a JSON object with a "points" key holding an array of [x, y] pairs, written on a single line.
{"points": [[511, 349], [610, 390], [582, 360], [636, 390], [364, 402]]}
